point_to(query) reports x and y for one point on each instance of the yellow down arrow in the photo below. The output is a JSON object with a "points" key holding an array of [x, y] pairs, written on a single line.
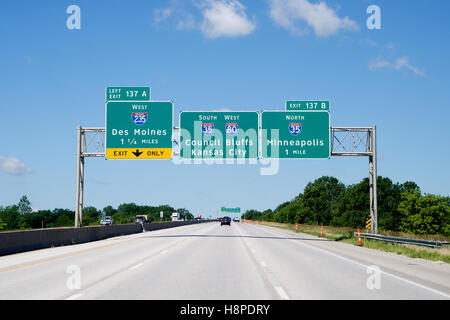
{"points": [[139, 153]]}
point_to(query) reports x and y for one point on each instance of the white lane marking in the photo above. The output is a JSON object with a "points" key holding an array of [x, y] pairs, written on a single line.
{"points": [[282, 293], [165, 251], [271, 278], [136, 266], [362, 265], [75, 296]]}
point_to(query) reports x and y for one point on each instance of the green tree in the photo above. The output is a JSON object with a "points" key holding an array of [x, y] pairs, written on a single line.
{"points": [[109, 210], [91, 216], [428, 214], [353, 209], [279, 215], [24, 205], [128, 208], [252, 215], [34, 220], [10, 216], [64, 221], [268, 215], [43, 218], [409, 186], [290, 213], [126, 213], [319, 197], [388, 198], [58, 212], [184, 214]]}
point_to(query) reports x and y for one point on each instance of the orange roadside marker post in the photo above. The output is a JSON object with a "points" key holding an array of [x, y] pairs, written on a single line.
{"points": [[359, 238], [321, 231], [296, 227]]}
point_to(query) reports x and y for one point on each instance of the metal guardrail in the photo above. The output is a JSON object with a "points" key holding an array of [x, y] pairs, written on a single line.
{"points": [[420, 242]]}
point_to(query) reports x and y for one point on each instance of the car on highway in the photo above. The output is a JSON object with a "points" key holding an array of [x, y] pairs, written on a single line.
{"points": [[141, 219], [236, 219], [225, 220], [107, 221]]}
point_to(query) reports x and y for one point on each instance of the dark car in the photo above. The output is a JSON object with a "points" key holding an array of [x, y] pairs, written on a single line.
{"points": [[225, 220], [141, 219]]}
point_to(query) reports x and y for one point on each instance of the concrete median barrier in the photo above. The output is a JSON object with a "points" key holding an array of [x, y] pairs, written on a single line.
{"points": [[170, 224], [21, 241]]}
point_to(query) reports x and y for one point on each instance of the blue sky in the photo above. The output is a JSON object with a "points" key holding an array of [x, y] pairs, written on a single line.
{"points": [[219, 54]]}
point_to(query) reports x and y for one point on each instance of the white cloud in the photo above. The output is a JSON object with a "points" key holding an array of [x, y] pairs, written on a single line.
{"points": [[187, 22], [403, 63], [225, 18], [162, 14], [216, 18], [319, 16], [398, 64], [176, 14], [13, 166], [378, 63]]}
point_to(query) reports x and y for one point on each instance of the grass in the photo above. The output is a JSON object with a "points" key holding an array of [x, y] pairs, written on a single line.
{"points": [[433, 254], [346, 235]]}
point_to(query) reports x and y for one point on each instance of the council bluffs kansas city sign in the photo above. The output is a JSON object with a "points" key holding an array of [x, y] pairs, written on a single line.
{"points": [[219, 135]]}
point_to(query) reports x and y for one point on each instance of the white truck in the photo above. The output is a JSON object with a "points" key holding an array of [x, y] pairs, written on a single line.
{"points": [[176, 216]]}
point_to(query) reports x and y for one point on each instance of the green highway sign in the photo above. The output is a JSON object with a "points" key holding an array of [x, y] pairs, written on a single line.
{"points": [[219, 135], [319, 105], [127, 94], [139, 130], [230, 210], [295, 134]]}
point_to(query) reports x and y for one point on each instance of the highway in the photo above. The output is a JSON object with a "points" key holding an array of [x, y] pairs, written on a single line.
{"points": [[211, 262]]}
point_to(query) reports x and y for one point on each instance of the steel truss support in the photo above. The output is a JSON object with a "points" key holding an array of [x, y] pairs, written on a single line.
{"points": [[359, 141], [87, 139], [345, 141]]}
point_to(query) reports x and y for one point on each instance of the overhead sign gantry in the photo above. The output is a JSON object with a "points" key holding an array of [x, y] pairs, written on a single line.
{"points": [[138, 128]]}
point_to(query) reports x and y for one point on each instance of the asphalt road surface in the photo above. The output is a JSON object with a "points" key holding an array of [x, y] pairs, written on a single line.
{"points": [[212, 262]]}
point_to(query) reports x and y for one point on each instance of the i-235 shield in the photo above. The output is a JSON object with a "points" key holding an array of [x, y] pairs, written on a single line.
{"points": [[139, 117]]}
